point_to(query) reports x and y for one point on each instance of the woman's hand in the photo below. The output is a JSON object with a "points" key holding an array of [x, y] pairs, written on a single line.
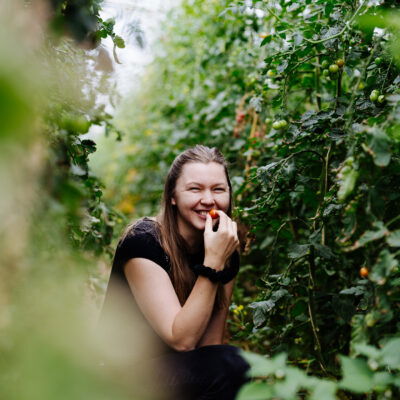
{"points": [[219, 245]]}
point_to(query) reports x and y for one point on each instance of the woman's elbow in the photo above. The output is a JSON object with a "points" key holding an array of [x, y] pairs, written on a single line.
{"points": [[183, 345]]}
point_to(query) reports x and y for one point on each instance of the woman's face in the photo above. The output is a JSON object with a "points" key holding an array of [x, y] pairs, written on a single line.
{"points": [[199, 188]]}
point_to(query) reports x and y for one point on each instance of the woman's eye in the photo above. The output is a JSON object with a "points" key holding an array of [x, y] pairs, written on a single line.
{"points": [[219, 190], [194, 189]]}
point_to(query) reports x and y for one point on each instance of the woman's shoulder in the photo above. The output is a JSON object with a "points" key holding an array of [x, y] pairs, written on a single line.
{"points": [[141, 239], [143, 228]]}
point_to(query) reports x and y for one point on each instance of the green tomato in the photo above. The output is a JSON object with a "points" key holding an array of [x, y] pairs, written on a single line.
{"points": [[82, 125], [381, 99], [276, 125], [374, 95], [75, 123], [333, 68], [267, 121], [271, 73], [325, 64], [370, 320], [378, 60], [340, 62], [283, 123], [325, 72]]}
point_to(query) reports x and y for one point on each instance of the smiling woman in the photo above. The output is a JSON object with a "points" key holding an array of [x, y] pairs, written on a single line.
{"points": [[178, 269]]}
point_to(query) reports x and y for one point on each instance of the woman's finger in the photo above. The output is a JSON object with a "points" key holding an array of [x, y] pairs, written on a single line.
{"points": [[208, 226], [235, 228], [223, 220]]}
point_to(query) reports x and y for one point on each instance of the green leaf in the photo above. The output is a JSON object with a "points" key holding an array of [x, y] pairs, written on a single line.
{"points": [[384, 266], [391, 353], [382, 380], [298, 250], [357, 377], [355, 290], [369, 236], [393, 239], [119, 42], [266, 40], [255, 391], [89, 145], [324, 251], [262, 308], [323, 390], [379, 148], [260, 365], [347, 183], [294, 379], [367, 350]]}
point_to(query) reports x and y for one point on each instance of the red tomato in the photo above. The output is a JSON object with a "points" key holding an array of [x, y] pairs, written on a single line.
{"points": [[214, 214], [364, 272]]}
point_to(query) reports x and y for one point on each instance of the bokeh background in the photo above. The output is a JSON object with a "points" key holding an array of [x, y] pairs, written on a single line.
{"points": [[96, 100]]}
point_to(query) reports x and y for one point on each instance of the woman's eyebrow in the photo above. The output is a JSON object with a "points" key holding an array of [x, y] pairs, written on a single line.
{"points": [[193, 183], [201, 184]]}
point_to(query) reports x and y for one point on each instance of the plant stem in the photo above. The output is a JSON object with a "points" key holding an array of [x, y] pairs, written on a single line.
{"points": [[311, 308]]}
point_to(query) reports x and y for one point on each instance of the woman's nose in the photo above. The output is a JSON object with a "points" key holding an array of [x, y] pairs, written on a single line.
{"points": [[207, 198]]}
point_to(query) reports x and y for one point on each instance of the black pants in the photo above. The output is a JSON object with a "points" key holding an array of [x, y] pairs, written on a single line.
{"points": [[206, 373]]}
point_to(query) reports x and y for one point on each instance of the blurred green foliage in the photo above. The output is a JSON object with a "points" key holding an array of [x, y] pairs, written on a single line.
{"points": [[286, 91], [52, 209]]}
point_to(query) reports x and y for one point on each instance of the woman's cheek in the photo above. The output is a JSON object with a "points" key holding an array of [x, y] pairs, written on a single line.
{"points": [[225, 202]]}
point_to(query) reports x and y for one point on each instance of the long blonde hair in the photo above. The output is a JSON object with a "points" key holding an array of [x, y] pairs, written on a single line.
{"points": [[172, 242]]}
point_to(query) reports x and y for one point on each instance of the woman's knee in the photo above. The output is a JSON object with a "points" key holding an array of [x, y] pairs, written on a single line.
{"points": [[237, 365], [229, 362]]}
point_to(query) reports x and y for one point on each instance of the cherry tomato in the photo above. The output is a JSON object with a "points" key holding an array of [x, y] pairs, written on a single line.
{"points": [[333, 68], [340, 62], [381, 99], [364, 272], [325, 64], [283, 123], [240, 117], [276, 125], [280, 124], [374, 95], [213, 213]]}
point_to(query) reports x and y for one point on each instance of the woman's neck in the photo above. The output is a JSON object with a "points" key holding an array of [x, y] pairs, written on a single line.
{"points": [[194, 240]]}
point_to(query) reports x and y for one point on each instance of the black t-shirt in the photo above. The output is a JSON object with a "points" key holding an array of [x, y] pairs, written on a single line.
{"points": [[141, 241]]}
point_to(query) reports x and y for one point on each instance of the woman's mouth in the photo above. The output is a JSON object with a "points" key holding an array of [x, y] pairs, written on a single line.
{"points": [[202, 213]]}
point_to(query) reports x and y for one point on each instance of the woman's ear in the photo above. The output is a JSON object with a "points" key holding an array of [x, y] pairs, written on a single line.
{"points": [[173, 202]]}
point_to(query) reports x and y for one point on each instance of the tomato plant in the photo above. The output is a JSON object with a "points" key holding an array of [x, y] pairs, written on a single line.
{"points": [[315, 172]]}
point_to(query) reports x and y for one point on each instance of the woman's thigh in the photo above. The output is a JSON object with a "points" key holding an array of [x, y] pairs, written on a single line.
{"points": [[206, 373]]}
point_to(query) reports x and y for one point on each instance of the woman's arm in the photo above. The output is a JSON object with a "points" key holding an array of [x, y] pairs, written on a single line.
{"points": [[215, 331], [180, 327]]}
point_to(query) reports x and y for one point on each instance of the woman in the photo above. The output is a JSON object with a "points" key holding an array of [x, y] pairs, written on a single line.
{"points": [[179, 270]]}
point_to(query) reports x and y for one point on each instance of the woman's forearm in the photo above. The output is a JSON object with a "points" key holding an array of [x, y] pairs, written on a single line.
{"points": [[214, 333], [191, 321]]}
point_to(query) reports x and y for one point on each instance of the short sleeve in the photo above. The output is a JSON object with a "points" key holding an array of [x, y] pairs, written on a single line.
{"points": [[139, 245]]}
